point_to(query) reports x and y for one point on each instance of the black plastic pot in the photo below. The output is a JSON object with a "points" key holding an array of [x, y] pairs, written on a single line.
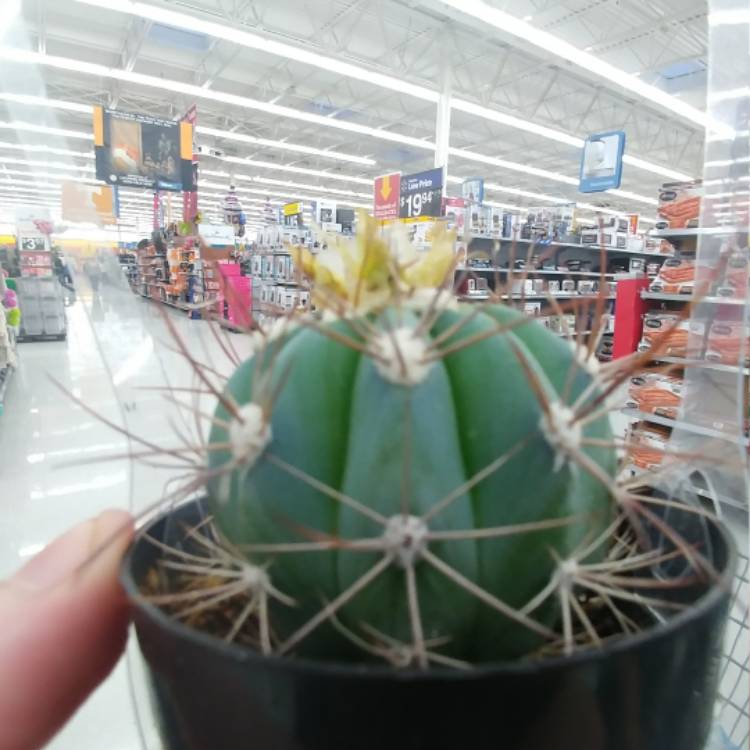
{"points": [[654, 691]]}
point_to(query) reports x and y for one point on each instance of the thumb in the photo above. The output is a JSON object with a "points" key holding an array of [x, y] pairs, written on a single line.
{"points": [[64, 626]]}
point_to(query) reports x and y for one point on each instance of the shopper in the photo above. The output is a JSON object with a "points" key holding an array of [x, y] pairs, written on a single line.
{"points": [[64, 625]]}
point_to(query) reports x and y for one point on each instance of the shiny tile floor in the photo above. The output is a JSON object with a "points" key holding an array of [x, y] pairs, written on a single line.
{"points": [[51, 449], [52, 473]]}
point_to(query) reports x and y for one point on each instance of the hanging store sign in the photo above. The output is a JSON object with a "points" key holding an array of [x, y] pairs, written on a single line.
{"points": [[292, 209], [421, 194], [473, 190], [135, 150], [601, 163], [387, 195]]}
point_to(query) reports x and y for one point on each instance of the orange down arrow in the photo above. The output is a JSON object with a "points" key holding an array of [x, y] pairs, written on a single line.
{"points": [[385, 187]]}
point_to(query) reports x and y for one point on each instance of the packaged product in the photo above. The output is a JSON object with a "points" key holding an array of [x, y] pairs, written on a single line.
{"points": [[728, 343], [668, 332], [676, 276], [734, 281], [680, 205], [646, 446], [655, 393]]}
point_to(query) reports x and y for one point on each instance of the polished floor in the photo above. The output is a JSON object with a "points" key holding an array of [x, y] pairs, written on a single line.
{"points": [[51, 450], [117, 362]]}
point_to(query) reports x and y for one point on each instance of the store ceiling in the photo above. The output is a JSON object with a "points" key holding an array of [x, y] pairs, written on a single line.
{"points": [[426, 44]]}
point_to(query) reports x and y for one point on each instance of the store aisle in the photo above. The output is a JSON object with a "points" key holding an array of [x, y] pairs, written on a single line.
{"points": [[115, 347]]}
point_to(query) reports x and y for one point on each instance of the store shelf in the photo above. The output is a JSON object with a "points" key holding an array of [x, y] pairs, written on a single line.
{"points": [[535, 272], [528, 297], [695, 300], [687, 426], [574, 245], [703, 364], [697, 232]]}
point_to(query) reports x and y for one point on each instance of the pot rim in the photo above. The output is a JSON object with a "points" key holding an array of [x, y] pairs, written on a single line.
{"points": [[525, 666]]}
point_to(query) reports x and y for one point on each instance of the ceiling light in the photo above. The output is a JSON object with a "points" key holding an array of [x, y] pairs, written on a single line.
{"points": [[17, 55], [35, 101], [550, 43], [296, 170], [303, 186], [45, 164], [648, 166], [283, 145], [254, 41], [39, 148], [30, 127], [11, 11]]}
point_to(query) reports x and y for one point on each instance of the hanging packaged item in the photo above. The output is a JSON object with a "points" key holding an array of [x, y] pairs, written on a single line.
{"points": [[680, 205], [655, 393], [676, 276]]}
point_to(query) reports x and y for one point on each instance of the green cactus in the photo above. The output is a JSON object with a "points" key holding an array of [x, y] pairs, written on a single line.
{"points": [[412, 474]]}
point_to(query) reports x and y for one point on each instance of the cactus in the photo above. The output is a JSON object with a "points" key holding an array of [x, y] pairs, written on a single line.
{"points": [[411, 472]]}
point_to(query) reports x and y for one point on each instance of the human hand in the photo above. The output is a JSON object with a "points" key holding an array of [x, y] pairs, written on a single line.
{"points": [[63, 625]]}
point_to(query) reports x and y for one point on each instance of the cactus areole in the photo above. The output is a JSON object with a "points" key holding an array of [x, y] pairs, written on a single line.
{"points": [[415, 476]]}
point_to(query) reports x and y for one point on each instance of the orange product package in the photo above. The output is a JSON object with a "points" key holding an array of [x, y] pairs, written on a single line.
{"points": [[728, 343], [667, 333], [646, 446], [676, 276], [680, 205], [655, 393]]}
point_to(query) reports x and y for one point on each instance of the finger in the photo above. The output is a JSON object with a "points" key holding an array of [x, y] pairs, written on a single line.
{"points": [[64, 624]]}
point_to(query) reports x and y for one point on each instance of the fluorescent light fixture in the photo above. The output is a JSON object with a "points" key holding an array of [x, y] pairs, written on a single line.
{"points": [[45, 164], [30, 127], [627, 195], [11, 11], [734, 17], [46, 177], [551, 44], [36, 101], [648, 166], [254, 41], [283, 145], [39, 148], [14, 54], [302, 186], [296, 170], [512, 165]]}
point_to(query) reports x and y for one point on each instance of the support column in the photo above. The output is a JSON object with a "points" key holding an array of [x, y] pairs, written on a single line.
{"points": [[443, 123]]}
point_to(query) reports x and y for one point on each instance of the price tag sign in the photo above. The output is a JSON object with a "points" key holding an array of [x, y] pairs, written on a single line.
{"points": [[32, 244], [421, 194]]}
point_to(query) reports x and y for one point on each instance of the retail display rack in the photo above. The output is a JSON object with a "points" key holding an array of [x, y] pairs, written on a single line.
{"points": [[172, 273], [278, 287]]}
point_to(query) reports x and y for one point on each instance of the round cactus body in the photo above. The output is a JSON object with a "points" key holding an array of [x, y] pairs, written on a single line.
{"points": [[386, 474]]}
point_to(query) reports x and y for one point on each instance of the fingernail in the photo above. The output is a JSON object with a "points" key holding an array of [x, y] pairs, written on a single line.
{"points": [[60, 559]]}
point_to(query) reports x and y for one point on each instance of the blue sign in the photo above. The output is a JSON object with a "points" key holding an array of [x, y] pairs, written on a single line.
{"points": [[472, 190], [421, 194], [601, 162]]}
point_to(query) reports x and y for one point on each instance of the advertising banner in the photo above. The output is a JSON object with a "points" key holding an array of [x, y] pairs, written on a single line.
{"points": [[95, 204], [142, 151], [387, 193], [601, 162], [472, 190], [190, 197], [421, 194]]}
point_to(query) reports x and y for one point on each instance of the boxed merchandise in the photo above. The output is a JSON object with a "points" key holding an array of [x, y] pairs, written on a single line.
{"points": [[553, 287], [568, 286], [539, 286], [647, 445], [497, 217], [281, 267], [532, 309], [636, 264], [655, 393], [680, 205], [588, 287], [605, 237], [728, 343], [616, 224], [734, 281], [676, 276], [479, 221], [266, 269], [667, 331]]}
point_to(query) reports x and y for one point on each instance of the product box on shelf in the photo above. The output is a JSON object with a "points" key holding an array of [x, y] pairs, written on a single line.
{"points": [[532, 309], [647, 445], [568, 286], [728, 343], [616, 224], [680, 205], [733, 282], [588, 286], [256, 265], [497, 219], [670, 334], [676, 276], [655, 393], [605, 238], [553, 286]]}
